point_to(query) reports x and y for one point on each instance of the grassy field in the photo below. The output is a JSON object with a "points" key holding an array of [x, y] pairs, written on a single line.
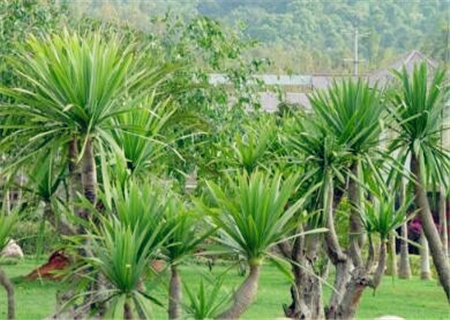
{"points": [[414, 299]]}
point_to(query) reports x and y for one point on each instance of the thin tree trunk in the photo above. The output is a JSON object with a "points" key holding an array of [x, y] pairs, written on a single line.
{"points": [[175, 294], [437, 250], [89, 173], [127, 314], [6, 283], [76, 183], [425, 271], [339, 259], [356, 238], [7, 203], [392, 265], [443, 219], [404, 271], [244, 296]]}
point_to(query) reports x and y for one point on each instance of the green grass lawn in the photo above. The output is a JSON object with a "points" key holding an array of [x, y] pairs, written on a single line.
{"points": [[414, 299]]}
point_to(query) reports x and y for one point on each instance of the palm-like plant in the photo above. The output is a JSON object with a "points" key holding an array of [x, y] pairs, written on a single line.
{"points": [[130, 236], [208, 302], [252, 217], [251, 149], [352, 113], [380, 217], [139, 133], [187, 234], [73, 87], [417, 109], [122, 255]]}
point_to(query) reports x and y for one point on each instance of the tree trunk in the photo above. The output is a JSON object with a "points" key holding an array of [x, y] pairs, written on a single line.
{"points": [[127, 314], [359, 281], [356, 236], [175, 294], [443, 219], [4, 281], [337, 257], [425, 271], [429, 228], [244, 296], [306, 292], [89, 173], [404, 271], [392, 265]]}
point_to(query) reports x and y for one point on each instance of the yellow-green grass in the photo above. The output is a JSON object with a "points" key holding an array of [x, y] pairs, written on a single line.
{"points": [[410, 299]]}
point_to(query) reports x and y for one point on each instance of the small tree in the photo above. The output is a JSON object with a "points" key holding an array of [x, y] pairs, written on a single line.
{"points": [[251, 216], [417, 109]]}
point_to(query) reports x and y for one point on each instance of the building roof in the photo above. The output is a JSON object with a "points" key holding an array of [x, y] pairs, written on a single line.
{"points": [[269, 101]]}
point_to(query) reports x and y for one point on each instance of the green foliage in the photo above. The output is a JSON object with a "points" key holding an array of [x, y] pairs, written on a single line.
{"points": [[186, 231], [307, 36], [208, 301], [251, 149], [417, 107], [252, 214], [122, 254], [352, 112], [380, 217], [7, 225], [74, 86]]}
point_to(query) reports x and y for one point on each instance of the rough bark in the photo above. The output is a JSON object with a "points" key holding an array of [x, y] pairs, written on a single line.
{"points": [[404, 271], [175, 293], [359, 281], [425, 271], [306, 292], [244, 296], [337, 257], [6, 283], [436, 249]]}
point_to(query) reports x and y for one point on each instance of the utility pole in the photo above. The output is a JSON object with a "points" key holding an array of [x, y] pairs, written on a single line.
{"points": [[355, 60]]}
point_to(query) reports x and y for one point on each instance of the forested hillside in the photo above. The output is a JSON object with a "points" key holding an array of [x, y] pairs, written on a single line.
{"points": [[306, 35]]}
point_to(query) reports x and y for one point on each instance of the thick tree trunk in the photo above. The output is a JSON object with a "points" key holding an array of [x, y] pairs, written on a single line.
{"points": [[175, 293], [306, 292], [404, 271], [437, 250], [359, 281], [4, 281], [425, 271], [244, 296]]}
